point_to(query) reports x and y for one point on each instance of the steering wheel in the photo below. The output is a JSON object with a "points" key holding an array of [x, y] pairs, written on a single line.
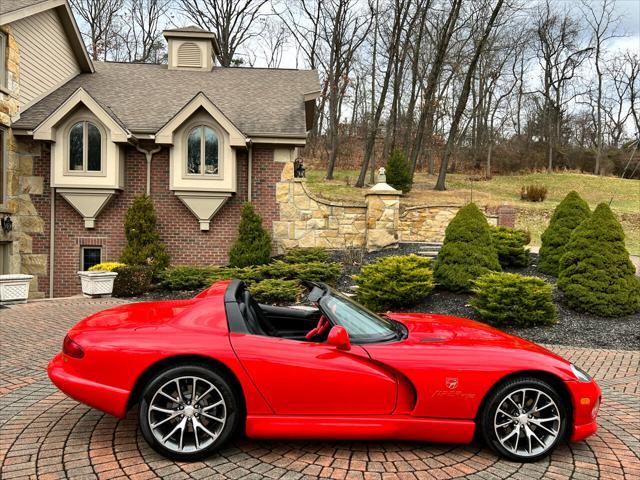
{"points": [[321, 327]]}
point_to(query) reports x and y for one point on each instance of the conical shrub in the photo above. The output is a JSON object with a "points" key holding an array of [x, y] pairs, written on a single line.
{"points": [[253, 245], [398, 171], [143, 238], [569, 213], [596, 274], [467, 252]]}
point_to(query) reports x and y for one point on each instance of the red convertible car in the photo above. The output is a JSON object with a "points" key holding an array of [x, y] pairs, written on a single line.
{"points": [[203, 368]]}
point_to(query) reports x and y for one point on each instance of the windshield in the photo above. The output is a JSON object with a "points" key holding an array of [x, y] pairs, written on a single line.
{"points": [[363, 325]]}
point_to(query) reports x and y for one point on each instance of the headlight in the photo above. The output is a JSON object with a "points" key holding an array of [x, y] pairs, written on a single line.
{"points": [[580, 374]]}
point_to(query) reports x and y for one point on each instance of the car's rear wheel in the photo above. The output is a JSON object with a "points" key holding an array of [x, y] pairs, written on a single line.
{"points": [[187, 412], [524, 419]]}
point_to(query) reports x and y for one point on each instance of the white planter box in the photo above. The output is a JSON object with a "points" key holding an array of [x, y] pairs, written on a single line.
{"points": [[97, 284], [14, 288]]}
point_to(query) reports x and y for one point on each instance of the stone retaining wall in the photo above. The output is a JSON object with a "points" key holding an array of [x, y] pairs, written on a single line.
{"points": [[380, 222], [427, 223]]}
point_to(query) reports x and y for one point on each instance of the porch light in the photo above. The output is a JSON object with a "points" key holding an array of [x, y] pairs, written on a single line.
{"points": [[7, 224]]}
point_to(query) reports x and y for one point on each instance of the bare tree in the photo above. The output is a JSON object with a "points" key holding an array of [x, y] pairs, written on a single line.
{"points": [[140, 31], [464, 95], [344, 27], [99, 18], [603, 25], [233, 22], [559, 55], [398, 38]]}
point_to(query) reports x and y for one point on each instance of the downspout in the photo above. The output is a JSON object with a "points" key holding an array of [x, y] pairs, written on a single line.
{"points": [[249, 169], [149, 155], [52, 239]]}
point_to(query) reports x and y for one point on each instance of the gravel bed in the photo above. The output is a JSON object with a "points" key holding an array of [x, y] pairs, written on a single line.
{"points": [[573, 328]]}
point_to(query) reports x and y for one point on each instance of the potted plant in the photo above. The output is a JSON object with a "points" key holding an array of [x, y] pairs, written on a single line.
{"points": [[14, 288], [98, 280]]}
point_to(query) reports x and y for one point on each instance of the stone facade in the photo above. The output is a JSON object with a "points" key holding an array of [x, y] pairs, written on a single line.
{"points": [[21, 183]]}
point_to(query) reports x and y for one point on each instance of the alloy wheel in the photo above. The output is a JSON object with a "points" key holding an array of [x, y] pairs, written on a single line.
{"points": [[187, 414], [527, 422]]}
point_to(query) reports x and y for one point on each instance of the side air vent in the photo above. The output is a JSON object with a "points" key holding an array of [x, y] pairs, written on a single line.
{"points": [[189, 55]]}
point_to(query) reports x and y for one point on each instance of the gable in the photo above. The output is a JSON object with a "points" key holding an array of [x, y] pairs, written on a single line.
{"points": [[44, 47]]}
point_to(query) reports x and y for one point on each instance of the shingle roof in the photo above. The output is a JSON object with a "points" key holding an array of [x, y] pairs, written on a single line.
{"points": [[190, 29], [7, 6], [144, 97]]}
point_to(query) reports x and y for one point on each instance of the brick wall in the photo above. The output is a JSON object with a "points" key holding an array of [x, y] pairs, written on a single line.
{"points": [[179, 229]]}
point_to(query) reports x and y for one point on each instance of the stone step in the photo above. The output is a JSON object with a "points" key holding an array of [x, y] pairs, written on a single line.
{"points": [[428, 254], [430, 248]]}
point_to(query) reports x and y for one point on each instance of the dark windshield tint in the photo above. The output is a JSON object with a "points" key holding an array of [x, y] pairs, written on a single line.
{"points": [[362, 324]]}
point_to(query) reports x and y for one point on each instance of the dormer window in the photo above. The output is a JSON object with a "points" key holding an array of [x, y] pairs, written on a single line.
{"points": [[203, 151], [85, 148]]}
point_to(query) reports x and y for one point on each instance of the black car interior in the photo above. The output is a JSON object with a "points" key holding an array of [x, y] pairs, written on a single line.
{"points": [[246, 315]]}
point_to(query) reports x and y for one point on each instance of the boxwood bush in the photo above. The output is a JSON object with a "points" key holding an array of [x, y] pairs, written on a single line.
{"points": [[303, 255], [509, 244], [467, 251], [395, 281], [596, 274], [276, 292], [311, 271], [132, 280], [569, 213], [509, 299]]}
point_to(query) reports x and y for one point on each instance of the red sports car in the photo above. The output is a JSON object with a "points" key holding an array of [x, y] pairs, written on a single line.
{"points": [[200, 369]]}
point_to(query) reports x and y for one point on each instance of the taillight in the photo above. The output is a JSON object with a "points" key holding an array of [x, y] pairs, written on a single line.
{"points": [[71, 348]]}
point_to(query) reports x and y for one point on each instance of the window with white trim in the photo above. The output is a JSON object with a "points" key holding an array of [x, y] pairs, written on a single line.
{"points": [[85, 148], [90, 256], [203, 151]]}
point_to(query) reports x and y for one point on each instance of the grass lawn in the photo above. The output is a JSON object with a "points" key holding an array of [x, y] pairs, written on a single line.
{"points": [[624, 195]]}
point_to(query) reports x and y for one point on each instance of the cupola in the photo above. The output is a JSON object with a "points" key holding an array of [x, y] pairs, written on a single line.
{"points": [[191, 48]]}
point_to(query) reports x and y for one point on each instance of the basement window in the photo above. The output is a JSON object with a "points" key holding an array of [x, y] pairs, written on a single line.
{"points": [[90, 256]]}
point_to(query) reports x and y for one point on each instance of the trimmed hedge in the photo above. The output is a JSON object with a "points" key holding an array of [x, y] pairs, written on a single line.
{"points": [[132, 280], [253, 245], [569, 213], [509, 245], [509, 299], [467, 252], [311, 271], [596, 273], [395, 281], [303, 255], [275, 291]]}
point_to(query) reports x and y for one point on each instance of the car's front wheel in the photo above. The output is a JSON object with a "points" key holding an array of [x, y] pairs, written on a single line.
{"points": [[524, 419], [187, 412]]}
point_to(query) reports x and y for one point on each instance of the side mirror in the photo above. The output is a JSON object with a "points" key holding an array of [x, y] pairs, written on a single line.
{"points": [[339, 338]]}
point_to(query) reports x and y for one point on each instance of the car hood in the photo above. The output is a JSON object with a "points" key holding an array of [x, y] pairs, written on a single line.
{"points": [[132, 316], [440, 329]]}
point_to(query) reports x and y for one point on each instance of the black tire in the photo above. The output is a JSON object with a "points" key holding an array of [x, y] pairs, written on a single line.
{"points": [[223, 387], [489, 418]]}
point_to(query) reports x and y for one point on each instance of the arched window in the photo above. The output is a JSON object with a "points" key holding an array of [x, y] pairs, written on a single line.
{"points": [[85, 148], [202, 151]]}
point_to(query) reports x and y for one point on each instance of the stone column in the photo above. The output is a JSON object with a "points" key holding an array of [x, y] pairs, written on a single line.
{"points": [[383, 217]]}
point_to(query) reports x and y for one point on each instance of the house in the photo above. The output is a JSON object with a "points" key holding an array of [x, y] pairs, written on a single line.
{"points": [[81, 138]]}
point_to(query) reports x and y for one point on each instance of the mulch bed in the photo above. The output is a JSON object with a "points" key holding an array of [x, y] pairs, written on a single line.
{"points": [[573, 328]]}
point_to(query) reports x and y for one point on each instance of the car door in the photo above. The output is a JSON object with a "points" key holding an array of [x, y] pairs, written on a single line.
{"points": [[307, 378]]}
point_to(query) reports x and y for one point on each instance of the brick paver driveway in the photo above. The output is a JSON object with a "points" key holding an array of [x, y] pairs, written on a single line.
{"points": [[47, 435]]}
